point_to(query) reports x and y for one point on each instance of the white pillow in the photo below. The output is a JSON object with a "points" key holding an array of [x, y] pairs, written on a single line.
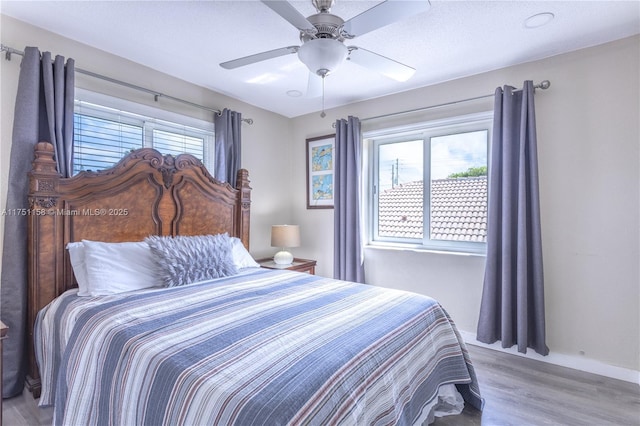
{"points": [[241, 257], [76, 254], [119, 267], [110, 268]]}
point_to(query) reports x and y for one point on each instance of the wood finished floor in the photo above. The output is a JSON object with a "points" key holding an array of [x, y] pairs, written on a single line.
{"points": [[517, 391]]}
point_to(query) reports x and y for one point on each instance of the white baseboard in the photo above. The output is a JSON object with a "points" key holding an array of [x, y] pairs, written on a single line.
{"points": [[563, 360]]}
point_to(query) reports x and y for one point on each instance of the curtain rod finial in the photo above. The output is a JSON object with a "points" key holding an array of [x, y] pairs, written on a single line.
{"points": [[544, 84], [7, 52]]}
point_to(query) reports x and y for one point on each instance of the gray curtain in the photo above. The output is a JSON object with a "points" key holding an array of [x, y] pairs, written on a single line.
{"points": [[227, 146], [347, 258], [512, 307], [43, 112]]}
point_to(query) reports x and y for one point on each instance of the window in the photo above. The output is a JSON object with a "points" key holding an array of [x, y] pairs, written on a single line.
{"points": [[104, 134], [449, 212]]}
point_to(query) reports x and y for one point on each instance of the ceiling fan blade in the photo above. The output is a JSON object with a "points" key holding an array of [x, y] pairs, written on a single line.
{"points": [[314, 86], [291, 15], [381, 64], [258, 57], [383, 14]]}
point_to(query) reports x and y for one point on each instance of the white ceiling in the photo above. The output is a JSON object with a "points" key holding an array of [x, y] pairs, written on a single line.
{"points": [[188, 39]]}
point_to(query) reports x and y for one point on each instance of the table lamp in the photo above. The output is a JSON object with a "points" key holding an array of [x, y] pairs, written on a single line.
{"points": [[284, 236]]}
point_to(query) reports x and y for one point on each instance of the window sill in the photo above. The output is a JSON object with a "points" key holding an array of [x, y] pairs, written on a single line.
{"points": [[420, 249]]}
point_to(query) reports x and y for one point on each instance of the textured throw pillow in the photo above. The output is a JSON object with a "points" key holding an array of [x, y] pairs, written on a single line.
{"points": [[241, 257], [184, 260]]}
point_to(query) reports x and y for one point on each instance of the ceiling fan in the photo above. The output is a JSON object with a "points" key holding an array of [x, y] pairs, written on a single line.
{"points": [[323, 35]]}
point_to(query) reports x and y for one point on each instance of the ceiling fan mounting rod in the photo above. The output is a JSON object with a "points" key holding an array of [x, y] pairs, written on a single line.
{"points": [[323, 6]]}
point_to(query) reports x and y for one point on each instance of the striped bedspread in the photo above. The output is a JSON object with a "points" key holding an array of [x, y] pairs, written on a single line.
{"points": [[262, 348]]}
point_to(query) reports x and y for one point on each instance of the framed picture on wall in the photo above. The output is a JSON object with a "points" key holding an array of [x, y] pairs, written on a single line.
{"points": [[320, 156]]}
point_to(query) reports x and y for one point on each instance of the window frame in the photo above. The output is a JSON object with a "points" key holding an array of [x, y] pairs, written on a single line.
{"points": [[149, 118], [419, 131]]}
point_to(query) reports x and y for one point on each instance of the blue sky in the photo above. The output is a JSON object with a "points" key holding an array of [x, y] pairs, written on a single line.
{"points": [[449, 154]]}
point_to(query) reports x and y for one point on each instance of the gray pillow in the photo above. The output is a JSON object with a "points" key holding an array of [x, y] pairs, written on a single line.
{"points": [[184, 260]]}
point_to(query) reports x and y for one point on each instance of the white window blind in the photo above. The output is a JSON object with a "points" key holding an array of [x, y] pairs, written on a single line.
{"points": [[103, 135]]}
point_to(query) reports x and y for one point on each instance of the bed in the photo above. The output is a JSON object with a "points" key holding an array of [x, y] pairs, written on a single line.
{"points": [[243, 345]]}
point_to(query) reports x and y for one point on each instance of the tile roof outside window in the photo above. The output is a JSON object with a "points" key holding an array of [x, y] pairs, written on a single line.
{"points": [[400, 211], [458, 210]]}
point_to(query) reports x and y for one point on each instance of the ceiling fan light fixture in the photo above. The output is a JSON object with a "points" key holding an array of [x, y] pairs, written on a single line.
{"points": [[322, 55]]}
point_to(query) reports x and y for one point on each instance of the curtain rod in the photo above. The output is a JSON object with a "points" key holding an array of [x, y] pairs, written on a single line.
{"points": [[156, 95], [544, 85]]}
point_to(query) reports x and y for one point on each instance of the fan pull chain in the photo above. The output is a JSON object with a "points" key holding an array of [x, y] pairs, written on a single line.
{"points": [[322, 114]]}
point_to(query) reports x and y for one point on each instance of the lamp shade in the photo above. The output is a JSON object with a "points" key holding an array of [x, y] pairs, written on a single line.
{"points": [[285, 236], [322, 55]]}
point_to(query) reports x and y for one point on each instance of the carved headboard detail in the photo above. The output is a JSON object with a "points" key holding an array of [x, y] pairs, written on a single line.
{"points": [[146, 193]]}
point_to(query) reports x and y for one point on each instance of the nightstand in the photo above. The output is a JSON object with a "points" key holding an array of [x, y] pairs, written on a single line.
{"points": [[300, 265]]}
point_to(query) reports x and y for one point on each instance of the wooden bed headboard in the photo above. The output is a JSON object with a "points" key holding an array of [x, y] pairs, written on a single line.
{"points": [[146, 193]]}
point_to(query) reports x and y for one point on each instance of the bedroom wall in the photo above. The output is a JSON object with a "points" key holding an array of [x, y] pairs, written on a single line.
{"points": [[589, 157], [268, 134]]}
